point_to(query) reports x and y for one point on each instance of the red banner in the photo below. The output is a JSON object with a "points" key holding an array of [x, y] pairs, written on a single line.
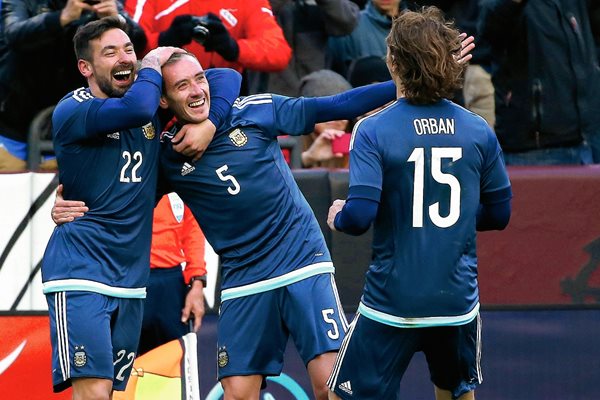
{"points": [[25, 359], [550, 252]]}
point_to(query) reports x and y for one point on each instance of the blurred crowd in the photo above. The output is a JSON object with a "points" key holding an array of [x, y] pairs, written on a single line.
{"points": [[533, 77]]}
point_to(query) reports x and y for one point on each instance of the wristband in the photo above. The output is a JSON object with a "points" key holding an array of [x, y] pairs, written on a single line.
{"points": [[201, 278]]}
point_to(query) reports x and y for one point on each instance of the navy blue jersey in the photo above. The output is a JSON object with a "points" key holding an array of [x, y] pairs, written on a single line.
{"points": [[246, 201], [107, 152], [428, 167]]}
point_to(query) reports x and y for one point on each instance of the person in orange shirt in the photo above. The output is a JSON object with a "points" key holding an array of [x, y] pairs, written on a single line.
{"points": [[175, 294]]}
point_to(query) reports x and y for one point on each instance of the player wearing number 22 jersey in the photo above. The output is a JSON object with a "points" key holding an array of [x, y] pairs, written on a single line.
{"points": [[277, 273]]}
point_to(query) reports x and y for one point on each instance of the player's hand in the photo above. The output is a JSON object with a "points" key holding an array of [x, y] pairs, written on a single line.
{"points": [[157, 57], [65, 211], [106, 8], [467, 45], [194, 304], [193, 139], [335, 208]]}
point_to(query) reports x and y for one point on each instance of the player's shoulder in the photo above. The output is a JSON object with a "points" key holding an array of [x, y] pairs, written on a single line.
{"points": [[74, 99]]}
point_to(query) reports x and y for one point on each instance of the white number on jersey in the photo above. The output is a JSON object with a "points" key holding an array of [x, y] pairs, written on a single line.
{"points": [[236, 186], [137, 158], [120, 355], [437, 153], [333, 333]]}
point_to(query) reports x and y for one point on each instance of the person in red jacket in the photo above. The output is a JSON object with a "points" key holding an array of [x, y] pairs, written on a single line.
{"points": [[238, 35], [173, 297]]}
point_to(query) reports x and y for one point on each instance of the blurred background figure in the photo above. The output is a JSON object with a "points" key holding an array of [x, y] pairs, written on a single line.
{"points": [[318, 146], [226, 33], [173, 296], [38, 64], [368, 39], [546, 79], [307, 26]]}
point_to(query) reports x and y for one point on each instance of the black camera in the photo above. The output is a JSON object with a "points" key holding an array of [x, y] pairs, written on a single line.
{"points": [[200, 32]]}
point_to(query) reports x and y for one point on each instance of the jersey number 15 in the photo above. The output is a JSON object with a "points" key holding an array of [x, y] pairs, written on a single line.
{"points": [[437, 153]]}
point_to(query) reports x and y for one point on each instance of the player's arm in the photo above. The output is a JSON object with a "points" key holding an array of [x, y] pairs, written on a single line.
{"points": [[136, 108], [353, 216], [494, 213], [193, 139]]}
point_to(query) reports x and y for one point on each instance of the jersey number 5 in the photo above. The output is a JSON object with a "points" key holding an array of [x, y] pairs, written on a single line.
{"points": [[236, 186], [437, 153]]}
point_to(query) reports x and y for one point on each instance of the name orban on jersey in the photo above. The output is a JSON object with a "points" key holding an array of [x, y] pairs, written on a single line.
{"points": [[434, 126]]}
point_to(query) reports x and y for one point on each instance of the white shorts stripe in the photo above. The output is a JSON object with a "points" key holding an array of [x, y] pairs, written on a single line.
{"points": [[331, 382], [62, 334], [343, 319], [478, 347]]}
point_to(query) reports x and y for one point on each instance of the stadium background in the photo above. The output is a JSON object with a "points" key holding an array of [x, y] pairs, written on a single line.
{"points": [[539, 280]]}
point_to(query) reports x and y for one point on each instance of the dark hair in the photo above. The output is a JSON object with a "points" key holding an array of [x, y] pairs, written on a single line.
{"points": [[423, 50], [93, 30]]}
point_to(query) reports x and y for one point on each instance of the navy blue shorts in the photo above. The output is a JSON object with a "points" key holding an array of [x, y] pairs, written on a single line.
{"points": [[93, 336], [254, 330], [374, 357]]}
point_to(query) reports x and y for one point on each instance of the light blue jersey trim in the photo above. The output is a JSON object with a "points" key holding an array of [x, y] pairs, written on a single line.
{"points": [[83, 285], [422, 322], [279, 281]]}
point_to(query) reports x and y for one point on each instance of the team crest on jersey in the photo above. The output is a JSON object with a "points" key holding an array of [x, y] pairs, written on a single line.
{"points": [[223, 357], [238, 137], [79, 358], [149, 131]]}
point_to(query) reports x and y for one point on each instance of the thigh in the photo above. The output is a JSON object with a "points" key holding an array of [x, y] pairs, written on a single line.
{"points": [[251, 336], [125, 330], [81, 337], [313, 314], [454, 356], [372, 360]]}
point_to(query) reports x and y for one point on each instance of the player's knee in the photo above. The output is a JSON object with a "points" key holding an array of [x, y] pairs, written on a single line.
{"points": [[92, 389], [321, 392], [241, 388]]}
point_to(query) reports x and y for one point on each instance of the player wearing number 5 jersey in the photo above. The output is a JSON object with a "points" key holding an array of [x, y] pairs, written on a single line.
{"points": [[95, 269], [428, 173], [277, 274]]}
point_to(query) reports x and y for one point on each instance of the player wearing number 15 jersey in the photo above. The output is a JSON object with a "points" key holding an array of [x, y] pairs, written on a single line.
{"points": [[428, 173]]}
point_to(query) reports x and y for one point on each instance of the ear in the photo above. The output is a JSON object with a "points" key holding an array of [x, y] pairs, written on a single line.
{"points": [[85, 68], [163, 102]]}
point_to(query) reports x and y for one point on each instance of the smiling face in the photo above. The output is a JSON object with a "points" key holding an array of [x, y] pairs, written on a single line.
{"points": [[186, 89], [112, 69]]}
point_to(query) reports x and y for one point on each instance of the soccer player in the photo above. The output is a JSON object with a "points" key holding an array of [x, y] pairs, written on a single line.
{"points": [[277, 271], [95, 269], [428, 173]]}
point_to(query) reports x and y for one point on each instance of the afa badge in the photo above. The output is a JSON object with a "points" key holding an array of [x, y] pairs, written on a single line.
{"points": [[79, 358], [222, 357], [149, 131], [238, 138]]}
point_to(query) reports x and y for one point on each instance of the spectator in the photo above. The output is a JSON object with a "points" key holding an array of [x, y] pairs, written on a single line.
{"points": [[427, 173], [38, 64], [317, 145], [546, 80], [367, 70], [307, 25], [242, 35], [368, 39], [173, 297]]}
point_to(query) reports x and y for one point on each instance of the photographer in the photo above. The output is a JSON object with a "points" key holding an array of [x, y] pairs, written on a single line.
{"points": [[238, 35], [37, 63]]}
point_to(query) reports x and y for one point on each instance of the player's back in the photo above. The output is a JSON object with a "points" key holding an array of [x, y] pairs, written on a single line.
{"points": [[114, 173], [434, 162]]}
